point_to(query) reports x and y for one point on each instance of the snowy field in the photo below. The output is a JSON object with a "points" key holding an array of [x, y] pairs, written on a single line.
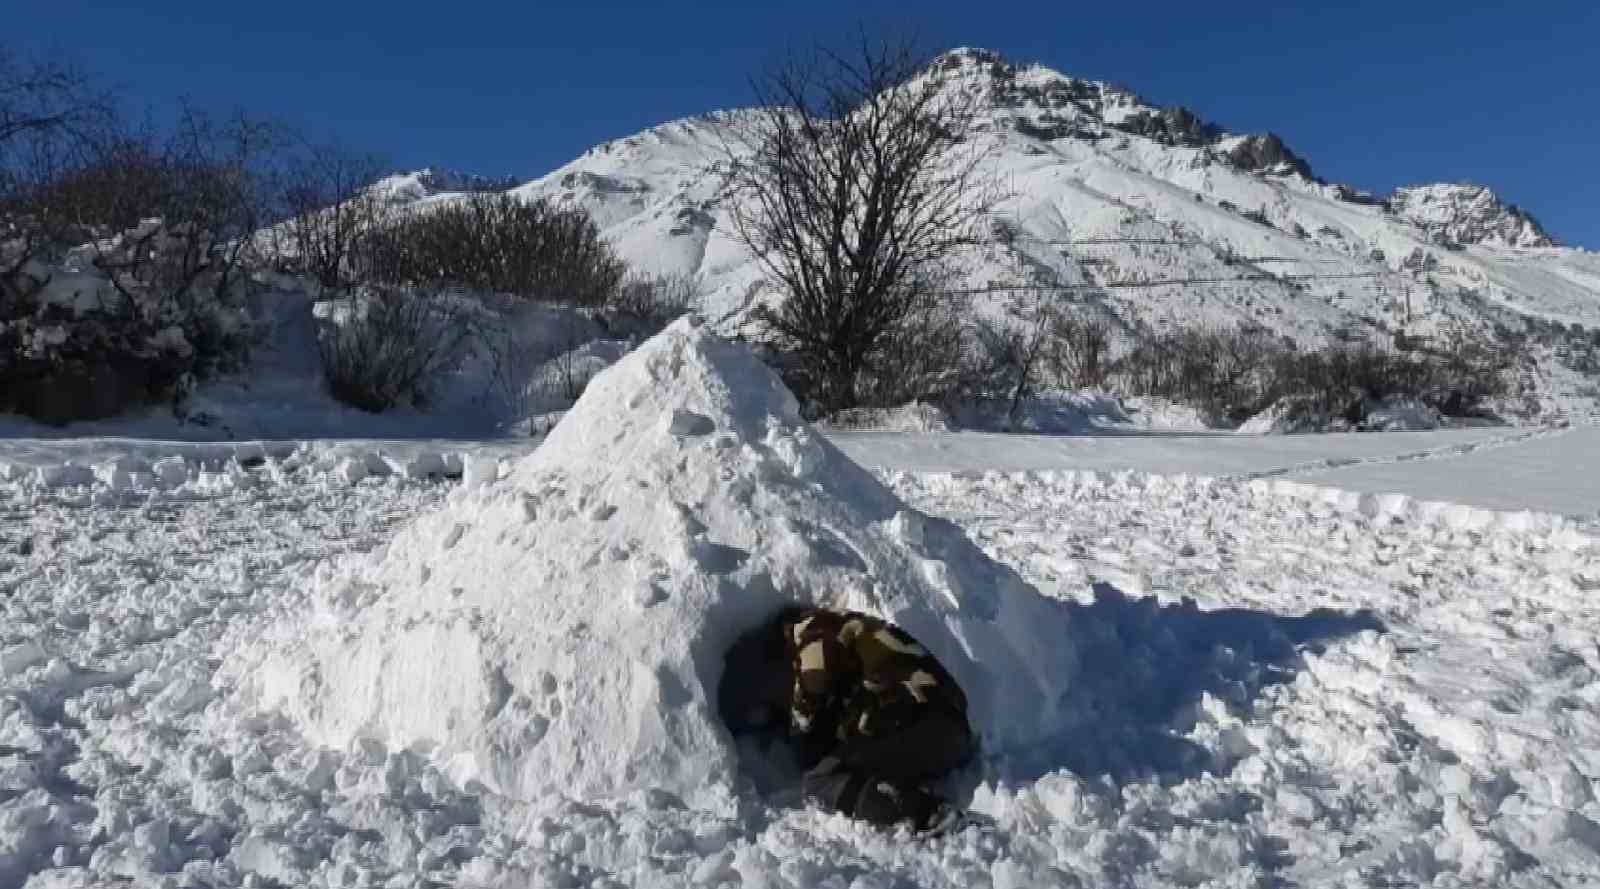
{"points": [[1254, 680], [1507, 469]]}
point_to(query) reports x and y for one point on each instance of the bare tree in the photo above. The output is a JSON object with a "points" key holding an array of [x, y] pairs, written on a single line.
{"points": [[45, 98], [857, 183], [48, 112], [330, 207], [206, 194]]}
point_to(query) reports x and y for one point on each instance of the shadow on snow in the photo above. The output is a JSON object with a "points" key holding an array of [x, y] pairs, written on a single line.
{"points": [[1144, 667]]}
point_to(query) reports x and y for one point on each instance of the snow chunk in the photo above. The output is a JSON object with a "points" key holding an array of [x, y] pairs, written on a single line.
{"points": [[480, 469], [351, 470], [64, 475], [171, 471], [562, 631], [118, 474], [16, 658]]}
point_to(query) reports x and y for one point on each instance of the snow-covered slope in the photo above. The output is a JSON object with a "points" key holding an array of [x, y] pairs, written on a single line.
{"points": [[1116, 195]]}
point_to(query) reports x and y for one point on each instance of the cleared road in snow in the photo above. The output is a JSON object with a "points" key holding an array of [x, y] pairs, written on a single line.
{"points": [[1221, 454], [1556, 473], [1544, 470]]}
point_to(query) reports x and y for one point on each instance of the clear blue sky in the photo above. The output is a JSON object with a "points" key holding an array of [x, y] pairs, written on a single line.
{"points": [[1375, 94]]}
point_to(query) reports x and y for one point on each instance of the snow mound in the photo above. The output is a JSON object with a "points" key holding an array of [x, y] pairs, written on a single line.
{"points": [[559, 628], [1159, 414], [1287, 416], [1083, 412], [914, 417], [1397, 413]]}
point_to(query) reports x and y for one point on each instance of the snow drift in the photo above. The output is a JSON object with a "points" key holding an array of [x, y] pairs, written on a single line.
{"points": [[560, 630]]}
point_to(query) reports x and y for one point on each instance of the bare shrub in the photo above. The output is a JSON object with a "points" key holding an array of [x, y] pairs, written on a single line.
{"points": [[1017, 356], [927, 356], [647, 303], [393, 342], [572, 374], [1227, 374], [34, 233], [499, 243], [1081, 358], [514, 367], [1233, 374], [1043, 343], [858, 186]]}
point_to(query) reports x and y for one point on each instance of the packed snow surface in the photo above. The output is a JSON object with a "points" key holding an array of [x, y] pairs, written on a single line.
{"points": [[1263, 679]]}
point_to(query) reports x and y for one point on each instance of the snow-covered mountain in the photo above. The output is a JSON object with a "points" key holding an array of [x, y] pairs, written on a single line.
{"points": [[1154, 216], [428, 182]]}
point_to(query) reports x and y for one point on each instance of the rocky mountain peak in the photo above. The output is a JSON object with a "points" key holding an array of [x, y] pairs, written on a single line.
{"points": [[1466, 213], [1046, 104], [1266, 153]]}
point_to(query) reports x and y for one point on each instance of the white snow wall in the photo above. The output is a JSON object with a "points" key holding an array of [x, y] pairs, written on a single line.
{"points": [[561, 630]]}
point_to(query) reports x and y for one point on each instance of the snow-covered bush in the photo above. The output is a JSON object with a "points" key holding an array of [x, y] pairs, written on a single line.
{"points": [[57, 366], [127, 267], [1454, 377]]}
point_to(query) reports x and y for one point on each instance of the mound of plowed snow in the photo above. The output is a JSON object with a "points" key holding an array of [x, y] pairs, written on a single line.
{"points": [[560, 629]]}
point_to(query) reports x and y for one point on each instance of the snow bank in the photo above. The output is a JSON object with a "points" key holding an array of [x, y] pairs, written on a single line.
{"points": [[1084, 412], [1290, 415], [1164, 415], [914, 417], [1397, 412], [560, 630]]}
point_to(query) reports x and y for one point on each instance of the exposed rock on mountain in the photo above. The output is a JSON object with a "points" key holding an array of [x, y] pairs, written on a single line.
{"points": [[1467, 214], [1171, 126], [1266, 154]]}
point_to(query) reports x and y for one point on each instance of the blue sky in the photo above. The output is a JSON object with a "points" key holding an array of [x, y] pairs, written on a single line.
{"points": [[1374, 94]]}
